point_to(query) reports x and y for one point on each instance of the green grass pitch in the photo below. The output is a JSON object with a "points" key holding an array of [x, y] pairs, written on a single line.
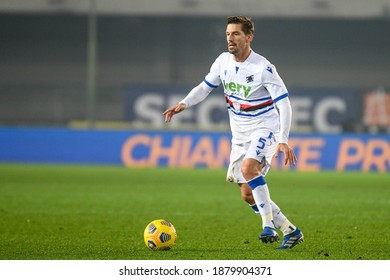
{"points": [[99, 213]]}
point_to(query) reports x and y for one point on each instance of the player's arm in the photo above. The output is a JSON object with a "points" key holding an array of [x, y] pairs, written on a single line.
{"points": [[195, 96], [275, 86], [285, 116]]}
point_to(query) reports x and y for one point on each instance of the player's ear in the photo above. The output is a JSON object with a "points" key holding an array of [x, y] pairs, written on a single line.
{"points": [[250, 37]]}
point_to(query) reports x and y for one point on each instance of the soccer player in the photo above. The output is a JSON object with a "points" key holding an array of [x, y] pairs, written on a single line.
{"points": [[260, 119]]}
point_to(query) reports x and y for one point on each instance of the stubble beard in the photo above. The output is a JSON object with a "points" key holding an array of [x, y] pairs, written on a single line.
{"points": [[233, 51]]}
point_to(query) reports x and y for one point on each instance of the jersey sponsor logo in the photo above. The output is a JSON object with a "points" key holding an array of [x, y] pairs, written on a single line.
{"points": [[237, 89], [269, 69]]}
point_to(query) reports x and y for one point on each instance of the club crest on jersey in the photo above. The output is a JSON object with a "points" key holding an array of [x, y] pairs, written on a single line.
{"points": [[236, 106], [250, 78]]}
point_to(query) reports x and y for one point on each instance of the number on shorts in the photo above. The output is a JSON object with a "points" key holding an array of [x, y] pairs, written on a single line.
{"points": [[262, 143]]}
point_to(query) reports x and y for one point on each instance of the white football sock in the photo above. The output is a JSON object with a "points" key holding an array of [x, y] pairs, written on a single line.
{"points": [[280, 220], [263, 201]]}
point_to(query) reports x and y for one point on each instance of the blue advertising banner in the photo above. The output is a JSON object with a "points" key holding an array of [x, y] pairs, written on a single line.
{"points": [[185, 149]]}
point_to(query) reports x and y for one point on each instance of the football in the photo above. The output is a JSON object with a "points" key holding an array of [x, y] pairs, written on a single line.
{"points": [[160, 235]]}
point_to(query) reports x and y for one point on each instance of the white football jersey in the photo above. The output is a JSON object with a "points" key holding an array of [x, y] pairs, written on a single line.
{"points": [[251, 88]]}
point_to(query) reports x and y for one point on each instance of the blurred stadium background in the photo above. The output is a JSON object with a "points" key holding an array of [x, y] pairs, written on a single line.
{"points": [[87, 81]]}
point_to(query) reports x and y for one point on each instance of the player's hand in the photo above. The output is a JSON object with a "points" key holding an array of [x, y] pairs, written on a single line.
{"points": [[168, 113], [289, 155]]}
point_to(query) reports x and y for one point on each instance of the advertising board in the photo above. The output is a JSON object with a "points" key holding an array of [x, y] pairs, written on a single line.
{"points": [[185, 149]]}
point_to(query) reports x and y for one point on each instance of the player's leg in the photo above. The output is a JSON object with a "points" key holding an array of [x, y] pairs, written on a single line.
{"points": [[247, 196], [280, 220], [292, 234], [234, 174], [254, 167], [251, 170]]}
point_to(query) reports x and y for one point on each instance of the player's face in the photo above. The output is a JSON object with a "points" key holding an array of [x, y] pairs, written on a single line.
{"points": [[238, 42]]}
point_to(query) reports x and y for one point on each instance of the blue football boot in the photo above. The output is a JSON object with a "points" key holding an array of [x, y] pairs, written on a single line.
{"points": [[269, 235], [292, 239]]}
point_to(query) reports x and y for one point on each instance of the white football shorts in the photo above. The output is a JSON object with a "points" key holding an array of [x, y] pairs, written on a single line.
{"points": [[261, 146]]}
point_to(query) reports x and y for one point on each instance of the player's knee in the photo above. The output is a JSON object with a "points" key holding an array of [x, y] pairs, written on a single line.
{"points": [[246, 170], [251, 168]]}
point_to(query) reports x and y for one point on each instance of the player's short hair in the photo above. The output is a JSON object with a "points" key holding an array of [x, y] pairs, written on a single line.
{"points": [[248, 27]]}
